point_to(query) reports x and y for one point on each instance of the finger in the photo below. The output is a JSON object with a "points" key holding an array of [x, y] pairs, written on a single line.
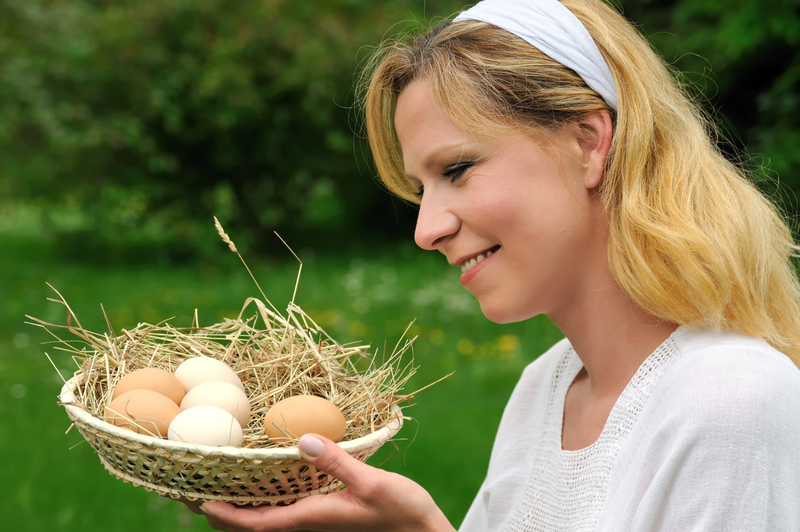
{"points": [[259, 518], [333, 460], [194, 506]]}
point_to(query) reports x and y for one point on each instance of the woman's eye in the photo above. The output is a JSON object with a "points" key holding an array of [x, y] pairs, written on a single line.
{"points": [[457, 170]]}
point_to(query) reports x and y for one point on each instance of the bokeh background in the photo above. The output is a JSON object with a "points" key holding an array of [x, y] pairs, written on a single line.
{"points": [[126, 125]]}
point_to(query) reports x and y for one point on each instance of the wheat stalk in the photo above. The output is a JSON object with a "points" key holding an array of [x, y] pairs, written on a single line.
{"points": [[225, 237], [227, 240]]}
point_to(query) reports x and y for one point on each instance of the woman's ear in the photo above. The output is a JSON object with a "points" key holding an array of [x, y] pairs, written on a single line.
{"points": [[594, 139]]}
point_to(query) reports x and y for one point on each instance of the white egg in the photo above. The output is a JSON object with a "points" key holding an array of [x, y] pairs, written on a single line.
{"points": [[221, 394], [206, 425], [202, 369]]}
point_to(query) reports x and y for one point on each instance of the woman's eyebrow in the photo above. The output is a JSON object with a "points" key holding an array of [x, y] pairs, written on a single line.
{"points": [[460, 147]]}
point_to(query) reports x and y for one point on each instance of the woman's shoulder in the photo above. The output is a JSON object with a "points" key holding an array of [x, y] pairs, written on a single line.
{"points": [[727, 379], [715, 445], [546, 363], [525, 408], [693, 340], [533, 386], [735, 363]]}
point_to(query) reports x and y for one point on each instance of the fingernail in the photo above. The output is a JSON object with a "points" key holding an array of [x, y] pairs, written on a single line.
{"points": [[310, 446], [204, 508]]}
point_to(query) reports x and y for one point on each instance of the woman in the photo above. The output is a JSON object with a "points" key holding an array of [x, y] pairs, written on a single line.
{"points": [[559, 165]]}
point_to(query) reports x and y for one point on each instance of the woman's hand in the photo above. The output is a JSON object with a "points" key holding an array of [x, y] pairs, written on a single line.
{"points": [[374, 500]]}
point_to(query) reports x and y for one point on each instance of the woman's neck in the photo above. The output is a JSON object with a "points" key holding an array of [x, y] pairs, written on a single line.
{"points": [[611, 335]]}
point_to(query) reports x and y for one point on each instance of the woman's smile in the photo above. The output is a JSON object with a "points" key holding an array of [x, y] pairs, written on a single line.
{"points": [[468, 264], [471, 267]]}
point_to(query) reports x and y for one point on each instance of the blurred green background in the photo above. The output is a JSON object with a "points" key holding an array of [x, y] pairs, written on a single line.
{"points": [[124, 126]]}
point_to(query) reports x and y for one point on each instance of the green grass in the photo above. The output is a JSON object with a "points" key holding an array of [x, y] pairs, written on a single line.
{"points": [[53, 482]]}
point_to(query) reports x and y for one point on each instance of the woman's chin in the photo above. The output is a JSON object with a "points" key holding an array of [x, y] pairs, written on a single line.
{"points": [[503, 313]]}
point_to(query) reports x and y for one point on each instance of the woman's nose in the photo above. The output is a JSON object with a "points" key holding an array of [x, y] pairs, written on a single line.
{"points": [[435, 224]]}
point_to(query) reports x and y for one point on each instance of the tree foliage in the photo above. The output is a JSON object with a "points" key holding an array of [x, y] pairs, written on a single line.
{"points": [[146, 117], [743, 57]]}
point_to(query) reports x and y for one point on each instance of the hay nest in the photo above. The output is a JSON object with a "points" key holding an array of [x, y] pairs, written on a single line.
{"points": [[274, 356]]}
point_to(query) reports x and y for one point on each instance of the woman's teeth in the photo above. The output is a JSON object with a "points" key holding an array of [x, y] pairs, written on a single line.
{"points": [[468, 265]]}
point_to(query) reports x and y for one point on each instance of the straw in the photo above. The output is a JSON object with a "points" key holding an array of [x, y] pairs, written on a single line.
{"points": [[275, 355]]}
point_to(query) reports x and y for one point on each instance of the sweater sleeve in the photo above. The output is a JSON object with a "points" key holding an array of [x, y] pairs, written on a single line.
{"points": [[717, 450]]}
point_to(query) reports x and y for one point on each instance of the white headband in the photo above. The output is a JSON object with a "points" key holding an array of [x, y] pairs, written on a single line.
{"points": [[556, 31]]}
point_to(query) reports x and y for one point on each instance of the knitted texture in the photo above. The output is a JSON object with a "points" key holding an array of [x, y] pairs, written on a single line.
{"points": [[567, 489]]}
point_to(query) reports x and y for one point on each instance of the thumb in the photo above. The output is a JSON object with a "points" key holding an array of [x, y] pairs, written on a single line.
{"points": [[332, 459]]}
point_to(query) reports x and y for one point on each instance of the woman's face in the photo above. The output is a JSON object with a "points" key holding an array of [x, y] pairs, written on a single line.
{"points": [[522, 221]]}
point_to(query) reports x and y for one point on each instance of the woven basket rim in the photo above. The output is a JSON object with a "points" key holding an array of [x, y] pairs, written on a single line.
{"points": [[68, 400]]}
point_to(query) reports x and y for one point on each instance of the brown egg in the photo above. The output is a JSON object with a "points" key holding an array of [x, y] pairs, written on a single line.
{"points": [[143, 411], [155, 379], [301, 414]]}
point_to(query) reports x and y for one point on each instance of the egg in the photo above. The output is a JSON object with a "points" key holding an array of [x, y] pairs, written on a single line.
{"points": [[156, 379], [206, 425], [142, 411], [202, 369], [221, 394], [301, 414]]}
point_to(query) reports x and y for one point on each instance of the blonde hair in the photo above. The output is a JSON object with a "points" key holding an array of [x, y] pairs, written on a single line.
{"points": [[692, 241]]}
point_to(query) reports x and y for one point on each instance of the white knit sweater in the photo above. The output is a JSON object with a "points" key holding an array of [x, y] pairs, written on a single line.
{"points": [[705, 437]]}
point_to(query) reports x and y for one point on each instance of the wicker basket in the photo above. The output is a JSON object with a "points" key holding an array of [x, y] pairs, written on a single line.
{"points": [[276, 476]]}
